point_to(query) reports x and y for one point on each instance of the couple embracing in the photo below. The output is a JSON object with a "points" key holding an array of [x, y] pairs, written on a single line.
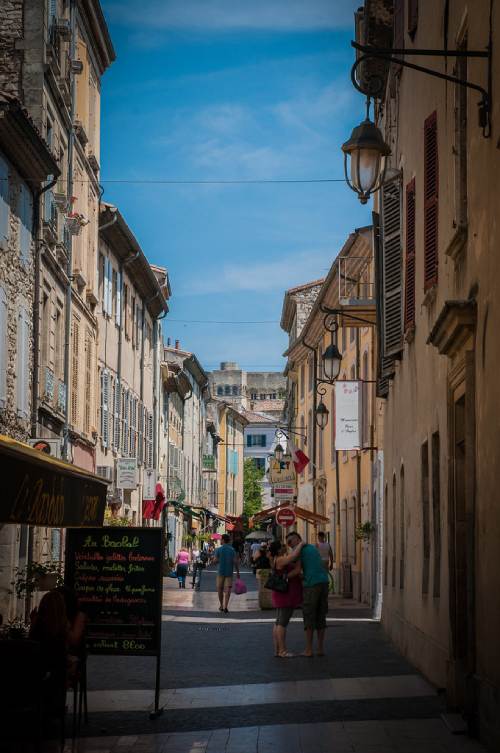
{"points": [[309, 590]]}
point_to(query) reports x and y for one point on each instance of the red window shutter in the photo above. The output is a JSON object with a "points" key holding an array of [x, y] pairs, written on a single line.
{"points": [[399, 25], [412, 17], [431, 209], [410, 256]]}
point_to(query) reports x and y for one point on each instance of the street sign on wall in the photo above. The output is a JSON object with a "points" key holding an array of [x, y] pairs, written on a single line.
{"points": [[285, 517], [284, 493], [347, 415]]}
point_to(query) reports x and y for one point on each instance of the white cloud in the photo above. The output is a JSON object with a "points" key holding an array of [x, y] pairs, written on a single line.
{"points": [[230, 15], [262, 276]]}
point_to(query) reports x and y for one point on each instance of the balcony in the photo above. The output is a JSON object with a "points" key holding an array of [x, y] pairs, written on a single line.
{"points": [[356, 294]]}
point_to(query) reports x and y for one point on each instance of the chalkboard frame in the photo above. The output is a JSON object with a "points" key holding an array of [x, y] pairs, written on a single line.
{"points": [[158, 533]]}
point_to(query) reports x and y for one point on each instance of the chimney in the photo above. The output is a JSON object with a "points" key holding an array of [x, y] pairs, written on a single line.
{"points": [[169, 342], [177, 344]]}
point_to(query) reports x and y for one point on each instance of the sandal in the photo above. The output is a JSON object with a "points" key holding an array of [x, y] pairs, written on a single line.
{"points": [[286, 655]]}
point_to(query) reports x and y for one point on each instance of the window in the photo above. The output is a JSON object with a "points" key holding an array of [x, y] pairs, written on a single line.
{"points": [[436, 513], [118, 315], [310, 371], [25, 210], [253, 396], [273, 396], [303, 438], [260, 463], [114, 293], [100, 278], [310, 429], [409, 318], [4, 202], [262, 396], [302, 381], [45, 329], [426, 542], [227, 389], [59, 342], [431, 206], [138, 320], [133, 307], [126, 310], [344, 338], [352, 334], [320, 447], [235, 390], [220, 390], [386, 533], [256, 440], [402, 547], [23, 359], [394, 528], [4, 347]]}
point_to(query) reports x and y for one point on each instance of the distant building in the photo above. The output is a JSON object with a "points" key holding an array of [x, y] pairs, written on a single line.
{"points": [[260, 440], [249, 390]]}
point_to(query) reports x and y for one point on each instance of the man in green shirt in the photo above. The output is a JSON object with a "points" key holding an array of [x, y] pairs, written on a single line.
{"points": [[315, 603]]}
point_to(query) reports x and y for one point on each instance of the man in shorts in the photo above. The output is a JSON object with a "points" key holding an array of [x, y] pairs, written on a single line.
{"points": [[315, 603], [227, 560]]}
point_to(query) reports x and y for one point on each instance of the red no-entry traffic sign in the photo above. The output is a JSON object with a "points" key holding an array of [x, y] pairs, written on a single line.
{"points": [[285, 517]]}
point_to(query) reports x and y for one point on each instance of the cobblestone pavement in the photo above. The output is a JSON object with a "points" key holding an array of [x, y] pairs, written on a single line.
{"points": [[223, 691]]}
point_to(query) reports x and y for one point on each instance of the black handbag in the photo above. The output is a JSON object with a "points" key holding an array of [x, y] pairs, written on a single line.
{"points": [[277, 582]]}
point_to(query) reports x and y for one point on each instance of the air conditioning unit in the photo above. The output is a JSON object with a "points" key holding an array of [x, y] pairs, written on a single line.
{"points": [[50, 447], [105, 471]]}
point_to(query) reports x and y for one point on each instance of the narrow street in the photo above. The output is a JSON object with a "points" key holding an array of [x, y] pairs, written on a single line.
{"points": [[224, 692]]}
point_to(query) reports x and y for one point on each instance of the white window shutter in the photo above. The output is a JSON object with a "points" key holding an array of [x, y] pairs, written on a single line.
{"points": [[22, 371], [4, 347], [117, 412], [118, 317], [25, 216], [4, 201], [105, 408]]}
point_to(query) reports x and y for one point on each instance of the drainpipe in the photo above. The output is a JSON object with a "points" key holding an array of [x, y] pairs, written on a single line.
{"points": [[36, 304], [71, 145], [314, 427]]}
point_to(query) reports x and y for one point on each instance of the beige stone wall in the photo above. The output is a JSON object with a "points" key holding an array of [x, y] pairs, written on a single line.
{"points": [[419, 405]]}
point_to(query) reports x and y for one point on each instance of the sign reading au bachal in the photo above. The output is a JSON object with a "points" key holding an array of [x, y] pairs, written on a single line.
{"points": [[117, 574]]}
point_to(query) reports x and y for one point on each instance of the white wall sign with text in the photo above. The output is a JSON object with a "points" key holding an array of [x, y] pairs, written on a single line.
{"points": [[149, 484], [347, 415], [126, 473]]}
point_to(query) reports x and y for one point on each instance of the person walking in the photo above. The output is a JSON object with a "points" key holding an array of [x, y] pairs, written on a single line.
{"points": [[253, 551], [285, 603], [182, 561], [200, 559], [325, 550], [315, 584], [227, 560]]}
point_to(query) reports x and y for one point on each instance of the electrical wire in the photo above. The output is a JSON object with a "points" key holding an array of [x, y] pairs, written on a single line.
{"points": [[213, 321]]}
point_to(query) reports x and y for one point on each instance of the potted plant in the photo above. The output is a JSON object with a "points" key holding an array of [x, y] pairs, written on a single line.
{"points": [[37, 576], [14, 629], [365, 530]]}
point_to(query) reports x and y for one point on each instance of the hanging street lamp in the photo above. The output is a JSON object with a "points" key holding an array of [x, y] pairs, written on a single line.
{"points": [[332, 359], [365, 158], [322, 414]]}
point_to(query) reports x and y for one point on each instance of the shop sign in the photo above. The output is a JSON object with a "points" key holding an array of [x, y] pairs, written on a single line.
{"points": [[149, 484], [282, 493], [208, 462], [126, 473], [281, 470], [347, 415], [286, 517]]}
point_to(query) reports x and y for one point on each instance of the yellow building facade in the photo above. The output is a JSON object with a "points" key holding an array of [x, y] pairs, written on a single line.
{"points": [[339, 484]]}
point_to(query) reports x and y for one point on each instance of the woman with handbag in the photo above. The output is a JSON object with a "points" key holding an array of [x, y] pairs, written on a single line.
{"points": [[286, 585]]}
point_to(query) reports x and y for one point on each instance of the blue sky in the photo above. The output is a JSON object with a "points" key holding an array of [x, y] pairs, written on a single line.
{"points": [[231, 90]]}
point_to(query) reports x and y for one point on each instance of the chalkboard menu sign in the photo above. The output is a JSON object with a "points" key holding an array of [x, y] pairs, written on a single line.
{"points": [[117, 574]]}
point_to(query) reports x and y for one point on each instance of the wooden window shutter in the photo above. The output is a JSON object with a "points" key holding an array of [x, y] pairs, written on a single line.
{"points": [[25, 207], [105, 408], [392, 271], [412, 17], [23, 357], [431, 206], [117, 418], [399, 24], [410, 256], [88, 382], [74, 372]]}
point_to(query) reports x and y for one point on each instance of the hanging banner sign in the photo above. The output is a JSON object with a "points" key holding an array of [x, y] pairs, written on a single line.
{"points": [[281, 470], [347, 415], [149, 484], [282, 493], [126, 473]]}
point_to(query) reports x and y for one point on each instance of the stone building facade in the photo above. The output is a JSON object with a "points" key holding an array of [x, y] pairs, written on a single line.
{"points": [[437, 263], [25, 164], [130, 301], [249, 390]]}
